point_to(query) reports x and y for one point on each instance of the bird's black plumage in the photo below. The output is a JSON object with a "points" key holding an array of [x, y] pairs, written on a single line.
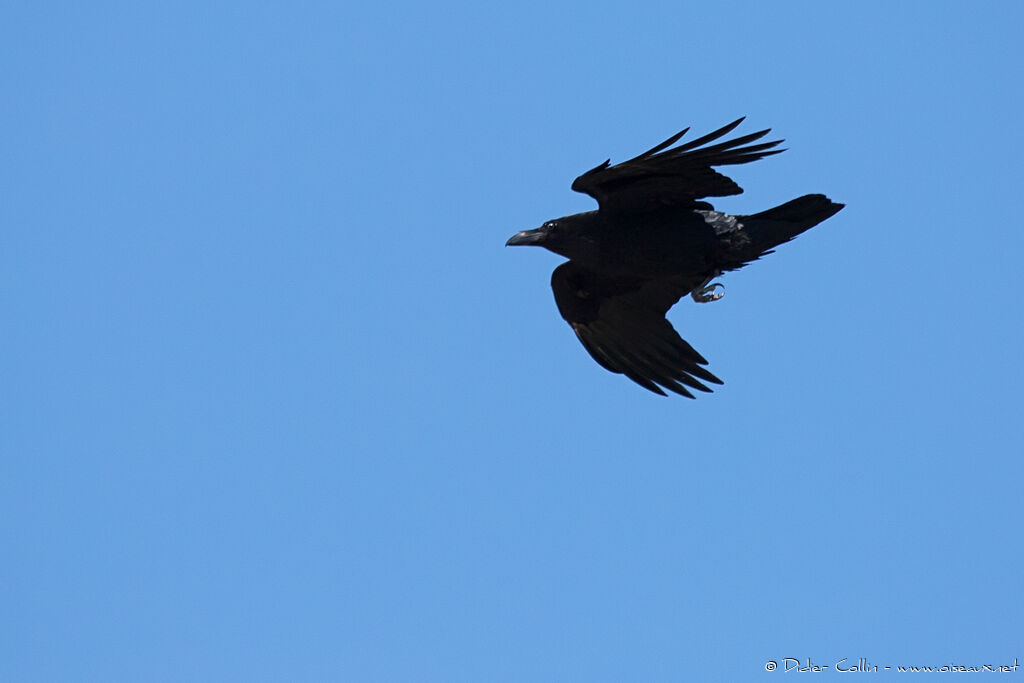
{"points": [[652, 241]]}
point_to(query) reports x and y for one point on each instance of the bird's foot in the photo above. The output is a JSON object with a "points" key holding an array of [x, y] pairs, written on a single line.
{"points": [[708, 291]]}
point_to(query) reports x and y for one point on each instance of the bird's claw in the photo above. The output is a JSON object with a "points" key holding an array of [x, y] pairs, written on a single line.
{"points": [[708, 293]]}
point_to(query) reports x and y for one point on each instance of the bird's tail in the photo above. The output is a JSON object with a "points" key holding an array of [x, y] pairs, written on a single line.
{"points": [[773, 227]]}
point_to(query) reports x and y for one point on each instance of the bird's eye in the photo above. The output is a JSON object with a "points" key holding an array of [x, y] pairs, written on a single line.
{"points": [[550, 225]]}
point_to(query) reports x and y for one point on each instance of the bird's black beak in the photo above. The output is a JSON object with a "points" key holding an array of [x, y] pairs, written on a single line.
{"points": [[526, 237]]}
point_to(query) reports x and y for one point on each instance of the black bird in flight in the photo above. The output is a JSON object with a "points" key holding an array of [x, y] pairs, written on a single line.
{"points": [[651, 241]]}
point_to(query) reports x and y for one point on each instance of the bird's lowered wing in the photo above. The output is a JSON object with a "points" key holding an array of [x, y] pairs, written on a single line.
{"points": [[622, 325], [673, 176]]}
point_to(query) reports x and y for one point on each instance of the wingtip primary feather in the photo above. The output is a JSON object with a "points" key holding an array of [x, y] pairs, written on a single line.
{"points": [[713, 135], [660, 146]]}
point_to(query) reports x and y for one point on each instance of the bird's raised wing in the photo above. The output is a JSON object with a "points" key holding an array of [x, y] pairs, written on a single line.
{"points": [[622, 324], [673, 176]]}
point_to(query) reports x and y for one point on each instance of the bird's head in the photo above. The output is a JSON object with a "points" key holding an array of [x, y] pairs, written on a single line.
{"points": [[543, 236], [565, 236]]}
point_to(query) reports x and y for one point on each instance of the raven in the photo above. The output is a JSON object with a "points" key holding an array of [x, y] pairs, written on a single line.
{"points": [[651, 241]]}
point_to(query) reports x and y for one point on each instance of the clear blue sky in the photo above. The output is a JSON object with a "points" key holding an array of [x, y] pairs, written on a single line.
{"points": [[279, 405]]}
